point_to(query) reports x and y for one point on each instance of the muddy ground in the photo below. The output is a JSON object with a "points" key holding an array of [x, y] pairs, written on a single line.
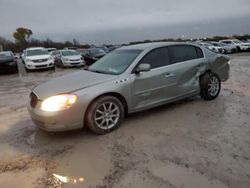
{"points": [[187, 144]]}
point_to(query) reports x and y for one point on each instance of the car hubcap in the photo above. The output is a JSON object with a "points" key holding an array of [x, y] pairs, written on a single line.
{"points": [[213, 86], [107, 115]]}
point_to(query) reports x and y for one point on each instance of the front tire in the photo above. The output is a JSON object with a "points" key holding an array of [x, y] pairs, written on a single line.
{"points": [[105, 115], [210, 86]]}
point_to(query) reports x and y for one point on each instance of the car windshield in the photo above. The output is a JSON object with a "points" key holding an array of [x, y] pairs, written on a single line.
{"points": [[69, 53], [4, 55], [223, 44], [37, 52], [116, 62], [82, 51], [96, 51], [237, 41], [215, 44]]}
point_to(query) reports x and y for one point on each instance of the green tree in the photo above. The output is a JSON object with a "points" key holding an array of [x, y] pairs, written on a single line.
{"points": [[22, 35]]}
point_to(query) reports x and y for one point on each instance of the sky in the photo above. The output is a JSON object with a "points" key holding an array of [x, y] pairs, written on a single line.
{"points": [[122, 21]]}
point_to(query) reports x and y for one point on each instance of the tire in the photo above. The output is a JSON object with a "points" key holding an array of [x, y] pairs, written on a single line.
{"points": [[26, 69], [101, 123], [238, 49], [53, 68], [210, 86]]}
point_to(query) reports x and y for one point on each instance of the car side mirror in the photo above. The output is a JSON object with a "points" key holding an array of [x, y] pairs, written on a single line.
{"points": [[143, 68]]}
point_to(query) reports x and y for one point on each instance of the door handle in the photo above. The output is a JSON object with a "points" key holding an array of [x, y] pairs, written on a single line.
{"points": [[169, 75]]}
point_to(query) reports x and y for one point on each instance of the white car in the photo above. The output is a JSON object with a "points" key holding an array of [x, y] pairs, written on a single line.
{"points": [[38, 58], [241, 46], [69, 58], [228, 48], [210, 46]]}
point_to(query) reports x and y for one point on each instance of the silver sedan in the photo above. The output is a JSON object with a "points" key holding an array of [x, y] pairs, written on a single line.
{"points": [[129, 79]]}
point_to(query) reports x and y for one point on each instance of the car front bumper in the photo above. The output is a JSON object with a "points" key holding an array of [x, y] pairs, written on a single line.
{"points": [[244, 48], [8, 67], [73, 63], [56, 121], [44, 65]]}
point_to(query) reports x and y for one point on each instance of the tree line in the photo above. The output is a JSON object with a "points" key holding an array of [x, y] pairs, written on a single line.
{"points": [[23, 40]]}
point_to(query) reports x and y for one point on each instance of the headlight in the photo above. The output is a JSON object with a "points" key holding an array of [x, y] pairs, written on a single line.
{"points": [[65, 59], [58, 103], [28, 60]]}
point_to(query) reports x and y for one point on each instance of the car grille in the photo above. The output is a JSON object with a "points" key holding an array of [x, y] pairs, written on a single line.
{"points": [[40, 60], [33, 100], [75, 60], [40, 66]]}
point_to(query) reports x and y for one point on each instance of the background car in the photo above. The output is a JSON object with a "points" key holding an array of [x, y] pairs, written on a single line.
{"points": [[38, 58], [216, 48], [130, 79], [50, 50], [69, 58], [8, 62], [241, 46], [94, 54], [228, 48]]}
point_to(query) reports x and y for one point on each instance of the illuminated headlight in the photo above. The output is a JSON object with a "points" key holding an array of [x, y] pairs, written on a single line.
{"points": [[58, 102]]}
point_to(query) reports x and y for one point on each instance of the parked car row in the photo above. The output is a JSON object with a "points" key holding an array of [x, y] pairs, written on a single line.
{"points": [[226, 46]]}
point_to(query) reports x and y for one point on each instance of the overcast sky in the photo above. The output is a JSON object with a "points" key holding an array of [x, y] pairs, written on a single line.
{"points": [[116, 21]]}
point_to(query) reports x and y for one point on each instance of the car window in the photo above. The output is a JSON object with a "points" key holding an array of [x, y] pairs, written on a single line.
{"points": [[199, 52], [157, 58], [180, 53]]}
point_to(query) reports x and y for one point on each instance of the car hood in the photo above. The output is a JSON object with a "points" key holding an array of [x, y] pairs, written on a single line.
{"points": [[73, 57], [70, 82], [6, 60], [37, 57]]}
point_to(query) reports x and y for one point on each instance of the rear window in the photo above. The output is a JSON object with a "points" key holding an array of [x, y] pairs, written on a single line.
{"points": [[180, 53]]}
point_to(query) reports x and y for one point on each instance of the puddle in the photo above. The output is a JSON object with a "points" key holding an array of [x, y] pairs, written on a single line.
{"points": [[89, 161], [183, 177]]}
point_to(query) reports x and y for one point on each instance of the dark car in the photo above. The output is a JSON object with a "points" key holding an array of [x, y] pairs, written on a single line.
{"points": [[93, 55], [8, 62]]}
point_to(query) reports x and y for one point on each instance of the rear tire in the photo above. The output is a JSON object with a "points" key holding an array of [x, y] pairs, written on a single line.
{"points": [[210, 86], [105, 115]]}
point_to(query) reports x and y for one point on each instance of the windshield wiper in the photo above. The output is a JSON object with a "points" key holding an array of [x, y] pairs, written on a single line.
{"points": [[98, 71]]}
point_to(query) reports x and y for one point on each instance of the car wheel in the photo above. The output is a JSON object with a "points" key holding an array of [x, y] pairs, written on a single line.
{"points": [[26, 69], [238, 49], [105, 115], [53, 68], [210, 86]]}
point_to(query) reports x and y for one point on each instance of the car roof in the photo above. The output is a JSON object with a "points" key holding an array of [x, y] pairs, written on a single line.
{"points": [[36, 48], [5, 52], [145, 46]]}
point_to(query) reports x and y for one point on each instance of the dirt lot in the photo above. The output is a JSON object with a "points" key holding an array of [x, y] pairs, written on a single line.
{"points": [[188, 144]]}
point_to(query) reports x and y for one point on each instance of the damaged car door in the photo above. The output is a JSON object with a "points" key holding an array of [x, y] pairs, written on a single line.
{"points": [[187, 64], [156, 85]]}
